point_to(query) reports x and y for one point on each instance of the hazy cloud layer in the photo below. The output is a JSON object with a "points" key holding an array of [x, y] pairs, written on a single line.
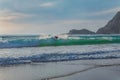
{"points": [[54, 16]]}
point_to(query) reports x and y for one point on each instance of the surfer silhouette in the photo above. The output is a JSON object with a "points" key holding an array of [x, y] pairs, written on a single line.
{"points": [[56, 37]]}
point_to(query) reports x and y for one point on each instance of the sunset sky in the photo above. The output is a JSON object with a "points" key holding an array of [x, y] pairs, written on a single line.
{"points": [[54, 16]]}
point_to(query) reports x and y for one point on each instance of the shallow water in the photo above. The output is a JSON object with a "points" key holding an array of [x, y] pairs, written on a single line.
{"points": [[37, 71], [101, 73], [75, 70], [69, 70]]}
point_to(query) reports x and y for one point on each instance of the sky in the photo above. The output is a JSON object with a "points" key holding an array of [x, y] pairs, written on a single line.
{"points": [[54, 16]]}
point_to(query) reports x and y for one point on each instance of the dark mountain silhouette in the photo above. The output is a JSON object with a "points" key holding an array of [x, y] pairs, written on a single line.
{"points": [[82, 31], [112, 27]]}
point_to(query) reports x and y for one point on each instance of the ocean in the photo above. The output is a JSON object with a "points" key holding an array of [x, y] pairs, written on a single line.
{"points": [[68, 57]]}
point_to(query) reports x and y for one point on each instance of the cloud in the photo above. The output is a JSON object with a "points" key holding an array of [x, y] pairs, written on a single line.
{"points": [[48, 4], [62, 26], [108, 11], [55, 27], [51, 17], [8, 15]]}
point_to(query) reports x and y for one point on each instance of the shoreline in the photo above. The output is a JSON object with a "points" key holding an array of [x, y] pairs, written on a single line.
{"points": [[84, 70]]}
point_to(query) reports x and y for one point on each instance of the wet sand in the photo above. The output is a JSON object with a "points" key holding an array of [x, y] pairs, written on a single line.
{"points": [[70, 70], [84, 70]]}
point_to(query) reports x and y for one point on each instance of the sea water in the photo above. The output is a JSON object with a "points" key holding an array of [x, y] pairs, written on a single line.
{"points": [[40, 41], [20, 60]]}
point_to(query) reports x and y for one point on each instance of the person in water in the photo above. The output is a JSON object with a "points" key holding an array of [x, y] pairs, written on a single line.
{"points": [[56, 37]]}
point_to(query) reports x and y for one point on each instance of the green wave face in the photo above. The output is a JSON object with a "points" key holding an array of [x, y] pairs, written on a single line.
{"points": [[81, 40]]}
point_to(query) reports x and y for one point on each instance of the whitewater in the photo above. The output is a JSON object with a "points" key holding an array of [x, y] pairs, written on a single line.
{"points": [[32, 49], [61, 62], [70, 57], [64, 40]]}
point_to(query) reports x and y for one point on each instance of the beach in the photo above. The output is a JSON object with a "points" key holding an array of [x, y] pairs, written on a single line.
{"points": [[74, 70], [88, 69], [59, 39]]}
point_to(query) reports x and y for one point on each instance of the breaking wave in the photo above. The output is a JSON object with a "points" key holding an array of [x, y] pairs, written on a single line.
{"points": [[57, 57], [38, 41]]}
